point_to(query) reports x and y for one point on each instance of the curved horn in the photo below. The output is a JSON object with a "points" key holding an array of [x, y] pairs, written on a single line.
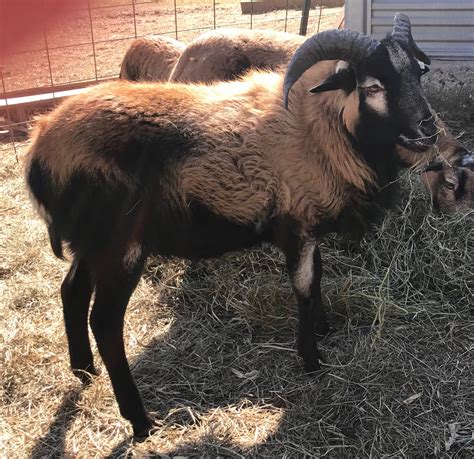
{"points": [[402, 32], [401, 28], [328, 45]]}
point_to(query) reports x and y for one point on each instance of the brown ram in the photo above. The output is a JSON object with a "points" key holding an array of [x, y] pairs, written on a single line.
{"points": [[126, 170]]}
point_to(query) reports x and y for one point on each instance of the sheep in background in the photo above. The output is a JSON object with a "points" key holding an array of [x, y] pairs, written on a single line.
{"points": [[126, 170], [151, 58], [451, 181], [449, 175], [225, 54]]}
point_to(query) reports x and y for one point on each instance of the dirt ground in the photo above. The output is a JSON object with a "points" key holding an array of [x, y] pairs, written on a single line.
{"points": [[73, 58], [211, 343]]}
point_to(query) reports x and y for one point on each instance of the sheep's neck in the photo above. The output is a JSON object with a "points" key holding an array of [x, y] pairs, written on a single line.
{"points": [[320, 172]]}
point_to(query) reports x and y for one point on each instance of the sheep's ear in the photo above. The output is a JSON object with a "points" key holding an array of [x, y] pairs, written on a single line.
{"points": [[345, 79], [431, 179]]}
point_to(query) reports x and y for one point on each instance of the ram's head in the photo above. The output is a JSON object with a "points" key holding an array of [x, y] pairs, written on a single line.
{"points": [[386, 76]]}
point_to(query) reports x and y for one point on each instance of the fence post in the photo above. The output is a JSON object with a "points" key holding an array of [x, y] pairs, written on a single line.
{"points": [[305, 17]]}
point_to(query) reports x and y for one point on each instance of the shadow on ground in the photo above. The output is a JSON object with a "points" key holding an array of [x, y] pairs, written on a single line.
{"points": [[221, 387], [53, 442]]}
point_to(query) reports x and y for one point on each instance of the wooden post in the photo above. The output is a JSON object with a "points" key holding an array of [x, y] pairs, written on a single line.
{"points": [[305, 17]]}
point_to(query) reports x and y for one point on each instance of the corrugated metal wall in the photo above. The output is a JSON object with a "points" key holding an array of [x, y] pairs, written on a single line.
{"points": [[443, 29]]}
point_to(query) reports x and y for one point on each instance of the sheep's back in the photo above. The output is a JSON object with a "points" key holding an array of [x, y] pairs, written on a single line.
{"points": [[151, 58], [226, 54]]}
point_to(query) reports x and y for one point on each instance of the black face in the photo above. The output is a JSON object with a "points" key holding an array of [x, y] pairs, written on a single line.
{"points": [[390, 92]]}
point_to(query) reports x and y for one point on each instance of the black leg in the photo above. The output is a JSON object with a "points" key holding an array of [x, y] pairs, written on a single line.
{"points": [[300, 261], [113, 291], [76, 291], [306, 339]]}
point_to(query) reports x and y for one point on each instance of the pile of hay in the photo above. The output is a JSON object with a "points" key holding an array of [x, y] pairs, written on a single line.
{"points": [[398, 378]]}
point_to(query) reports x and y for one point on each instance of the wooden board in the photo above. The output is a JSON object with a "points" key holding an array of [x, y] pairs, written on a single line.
{"points": [[263, 6]]}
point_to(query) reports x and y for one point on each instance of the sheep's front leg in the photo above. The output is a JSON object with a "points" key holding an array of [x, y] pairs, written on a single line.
{"points": [[306, 276]]}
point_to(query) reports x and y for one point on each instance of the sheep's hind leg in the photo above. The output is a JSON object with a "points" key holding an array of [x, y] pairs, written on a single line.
{"points": [[76, 291], [113, 290]]}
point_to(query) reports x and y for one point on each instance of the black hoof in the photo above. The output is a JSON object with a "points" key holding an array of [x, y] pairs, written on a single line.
{"points": [[143, 430], [312, 365], [322, 329], [313, 362], [86, 376]]}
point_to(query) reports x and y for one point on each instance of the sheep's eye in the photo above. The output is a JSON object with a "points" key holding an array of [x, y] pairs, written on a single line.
{"points": [[373, 89]]}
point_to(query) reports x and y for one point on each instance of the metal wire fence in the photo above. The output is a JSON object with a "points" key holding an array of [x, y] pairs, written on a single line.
{"points": [[90, 43]]}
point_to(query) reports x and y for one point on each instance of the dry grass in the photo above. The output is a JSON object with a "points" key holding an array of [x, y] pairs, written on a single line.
{"points": [[211, 345]]}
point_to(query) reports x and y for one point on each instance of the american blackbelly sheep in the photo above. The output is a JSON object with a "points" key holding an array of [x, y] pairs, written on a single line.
{"points": [[126, 170], [225, 54]]}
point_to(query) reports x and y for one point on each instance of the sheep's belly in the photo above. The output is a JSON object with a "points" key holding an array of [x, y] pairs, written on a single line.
{"points": [[201, 234]]}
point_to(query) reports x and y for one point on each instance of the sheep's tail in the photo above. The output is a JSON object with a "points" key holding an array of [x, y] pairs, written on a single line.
{"points": [[83, 211], [40, 186], [55, 241], [41, 190]]}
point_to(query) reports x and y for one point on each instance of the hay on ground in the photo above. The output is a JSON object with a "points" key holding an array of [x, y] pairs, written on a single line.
{"points": [[211, 345]]}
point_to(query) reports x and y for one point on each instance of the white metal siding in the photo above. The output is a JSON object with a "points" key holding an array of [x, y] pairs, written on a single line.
{"points": [[443, 29]]}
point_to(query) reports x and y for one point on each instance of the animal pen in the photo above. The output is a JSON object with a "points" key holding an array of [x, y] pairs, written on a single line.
{"points": [[211, 342], [90, 43]]}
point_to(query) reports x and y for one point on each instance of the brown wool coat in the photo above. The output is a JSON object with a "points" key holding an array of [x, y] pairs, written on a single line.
{"points": [[251, 157], [226, 54]]}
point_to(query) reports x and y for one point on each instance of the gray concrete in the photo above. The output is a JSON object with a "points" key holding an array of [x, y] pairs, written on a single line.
{"points": [[450, 75], [449, 87]]}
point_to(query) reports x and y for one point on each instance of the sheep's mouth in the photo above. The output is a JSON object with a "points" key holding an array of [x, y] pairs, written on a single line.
{"points": [[416, 145]]}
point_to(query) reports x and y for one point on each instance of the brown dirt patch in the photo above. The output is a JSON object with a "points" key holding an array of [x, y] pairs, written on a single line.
{"points": [[71, 52]]}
